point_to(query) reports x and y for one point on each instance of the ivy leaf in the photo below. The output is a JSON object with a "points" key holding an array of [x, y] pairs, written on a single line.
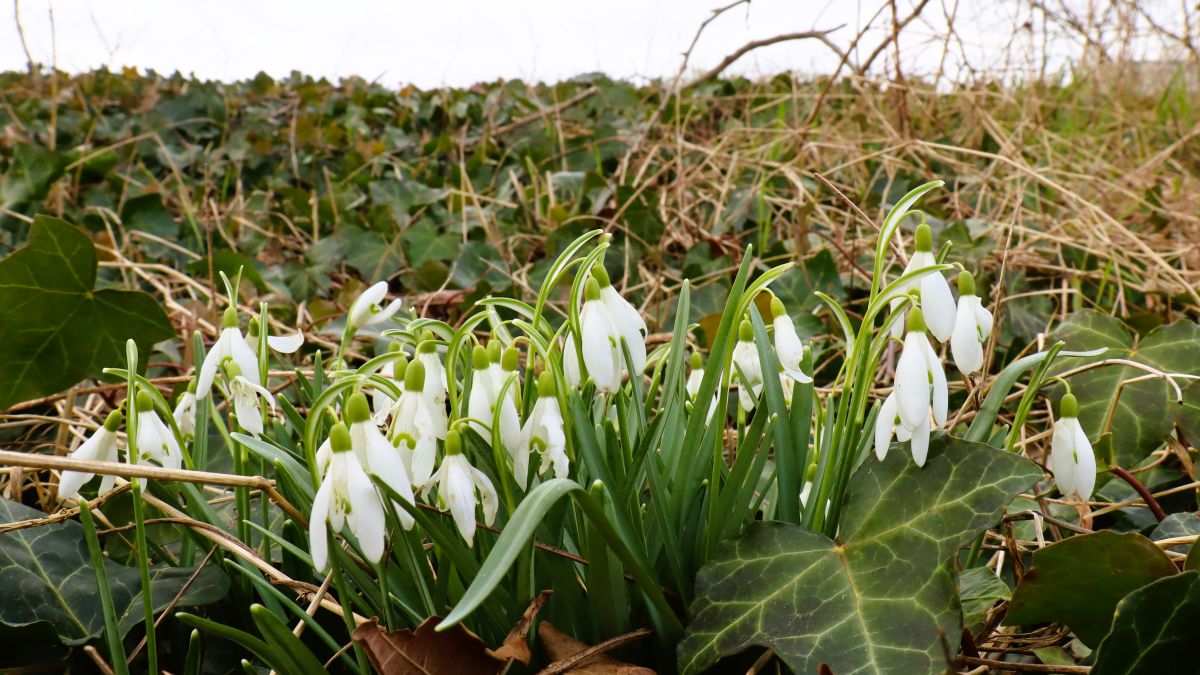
{"points": [[1143, 413], [29, 176], [1155, 629], [1177, 525], [979, 589], [46, 576], [376, 256], [56, 328], [882, 601], [1079, 581]]}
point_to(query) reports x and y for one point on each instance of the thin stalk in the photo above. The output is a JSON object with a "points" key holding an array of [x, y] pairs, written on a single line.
{"points": [[112, 632], [343, 592], [139, 519]]}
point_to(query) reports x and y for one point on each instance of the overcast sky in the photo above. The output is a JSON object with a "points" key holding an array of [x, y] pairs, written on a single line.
{"points": [[459, 42]]}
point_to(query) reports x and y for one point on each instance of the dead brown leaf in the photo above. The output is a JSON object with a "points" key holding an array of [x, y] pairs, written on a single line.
{"points": [[516, 646], [563, 650], [427, 651]]}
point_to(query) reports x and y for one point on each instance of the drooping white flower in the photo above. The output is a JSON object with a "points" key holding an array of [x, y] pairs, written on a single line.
{"points": [[571, 362], [625, 318], [245, 395], [601, 341], [937, 303], [889, 424], [543, 433], [346, 497], [458, 484], [1072, 459], [746, 369], [920, 386], [367, 311], [230, 346], [100, 447], [284, 344], [155, 440], [185, 413], [972, 326], [377, 455], [416, 425], [493, 369], [435, 373], [787, 343]]}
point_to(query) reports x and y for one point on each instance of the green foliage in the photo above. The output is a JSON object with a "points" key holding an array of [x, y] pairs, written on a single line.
{"points": [[1080, 580], [1155, 629], [56, 327], [879, 601], [978, 590], [1139, 415], [51, 567]]}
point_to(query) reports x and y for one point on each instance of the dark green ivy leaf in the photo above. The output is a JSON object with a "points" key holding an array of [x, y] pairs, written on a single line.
{"points": [[882, 601], [1155, 630], [55, 328], [46, 576], [1079, 581]]}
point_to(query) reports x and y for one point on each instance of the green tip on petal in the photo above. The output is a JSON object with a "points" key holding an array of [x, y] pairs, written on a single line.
{"points": [[600, 274], [427, 347], [545, 384], [339, 438], [745, 331], [777, 308], [495, 351], [591, 290], [916, 320], [479, 358], [966, 283], [144, 401], [230, 318], [696, 361], [453, 443], [414, 376], [113, 421], [1069, 406], [357, 409], [510, 360], [924, 237]]}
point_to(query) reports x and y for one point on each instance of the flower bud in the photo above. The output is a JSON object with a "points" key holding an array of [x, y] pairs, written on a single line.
{"points": [[453, 443], [966, 283], [777, 308], [144, 401], [600, 274], [545, 384], [479, 358], [427, 346], [591, 290], [510, 360], [230, 318], [495, 351], [253, 328], [1069, 406], [745, 331], [113, 421], [916, 320], [696, 361]]}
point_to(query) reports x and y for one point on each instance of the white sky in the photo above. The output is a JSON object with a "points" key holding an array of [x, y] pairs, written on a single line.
{"points": [[433, 43]]}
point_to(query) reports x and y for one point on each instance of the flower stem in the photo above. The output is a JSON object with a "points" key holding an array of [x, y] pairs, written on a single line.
{"points": [[343, 592], [143, 555], [1141, 489], [112, 631]]}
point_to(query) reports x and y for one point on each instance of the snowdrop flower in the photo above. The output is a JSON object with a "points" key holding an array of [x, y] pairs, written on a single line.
{"points": [[887, 424], [185, 412], [787, 343], [435, 373], [244, 395], [936, 300], [416, 425], [101, 447], [695, 378], [625, 318], [377, 455], [570, 360], [972, 326], [230, 346], [601, 341], [367, 311], [155, 440], [458, 482], [484, 400], [1072, 459], [920, 386], [543, 432], [381, 400], [746, 369], [346, 497]]}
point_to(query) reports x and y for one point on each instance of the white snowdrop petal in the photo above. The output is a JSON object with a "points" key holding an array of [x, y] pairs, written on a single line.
{"points": [[286, 344], [912, 382], [937, 305], [318, 542], [920, 444]]}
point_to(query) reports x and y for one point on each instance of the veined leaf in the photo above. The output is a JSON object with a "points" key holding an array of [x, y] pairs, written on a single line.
{"points": [[879, 602], [56, 328], [1155, 629]]}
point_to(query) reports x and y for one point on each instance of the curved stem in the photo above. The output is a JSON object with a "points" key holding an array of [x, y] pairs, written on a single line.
{"points": [[1136, 484]]}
